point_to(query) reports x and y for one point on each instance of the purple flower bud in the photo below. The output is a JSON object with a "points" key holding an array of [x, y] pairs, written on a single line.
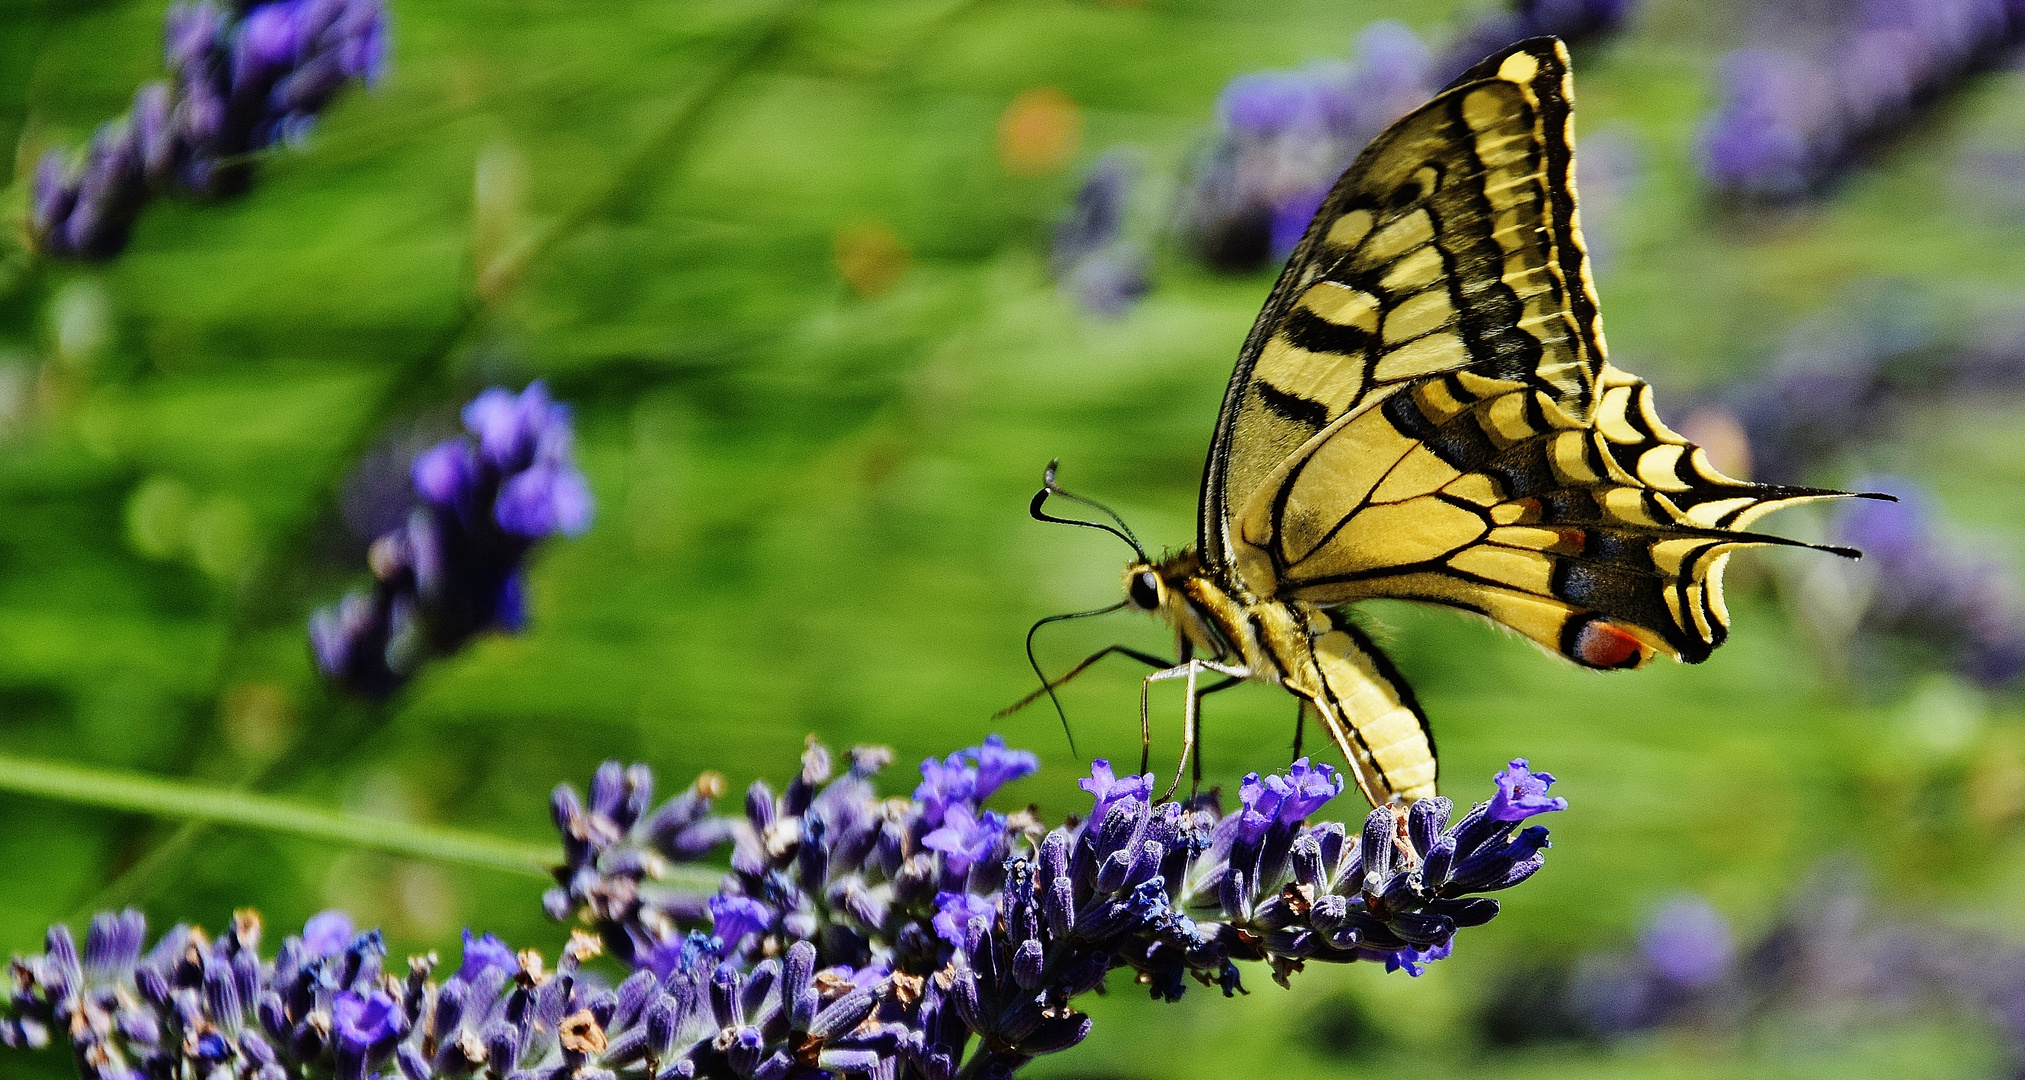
{"points": [[327, 933], [943, 785], [964, 837], [1414, 961], [447, 474], [840, 1017], [549, 498], [271, 40], [485, 952], [1108, 789], [364, 1021], [1425, 821], [113, 944]]}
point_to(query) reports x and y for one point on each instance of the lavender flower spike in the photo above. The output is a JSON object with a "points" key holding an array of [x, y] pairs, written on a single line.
{"points": [[844, 945], [238, 83], [1801, 105], [1096, 263], [1928, 589], [955, 939], [455, 570]]}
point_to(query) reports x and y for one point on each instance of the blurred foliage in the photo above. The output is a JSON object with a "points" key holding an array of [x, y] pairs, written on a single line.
{"points": [[787, 258]]}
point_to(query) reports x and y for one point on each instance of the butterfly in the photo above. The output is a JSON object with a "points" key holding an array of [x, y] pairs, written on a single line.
{"points": [[1425, 411]]}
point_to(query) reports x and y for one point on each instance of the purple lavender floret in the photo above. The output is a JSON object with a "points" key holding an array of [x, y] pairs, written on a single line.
{"points": [[972, 932], [1927, 588], [238, 83], [455, 569], [1828, 81], [1689, 942], [1522, 793]]}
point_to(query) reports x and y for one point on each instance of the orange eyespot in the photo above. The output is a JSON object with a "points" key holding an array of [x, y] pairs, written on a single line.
{"points": [[1598, 643]]}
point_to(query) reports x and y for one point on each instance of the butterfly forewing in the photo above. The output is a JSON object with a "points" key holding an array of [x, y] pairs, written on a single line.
{"points": [[1451, 244]]}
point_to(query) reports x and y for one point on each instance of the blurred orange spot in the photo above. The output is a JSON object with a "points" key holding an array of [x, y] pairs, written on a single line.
{"points": [[1996, 784], [1039, 132], [1719, 433], [871, 256], [258, 718]]}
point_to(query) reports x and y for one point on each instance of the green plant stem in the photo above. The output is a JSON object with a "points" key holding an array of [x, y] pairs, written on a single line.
{"points": [[218, 805], [134, 793]]}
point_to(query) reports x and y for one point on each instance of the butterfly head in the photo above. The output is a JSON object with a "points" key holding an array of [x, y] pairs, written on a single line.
{"points": [[1153, 585]]}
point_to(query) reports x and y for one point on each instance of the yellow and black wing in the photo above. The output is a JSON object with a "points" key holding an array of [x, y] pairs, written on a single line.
{"points": [[1451, 244], [1601, 538], [1425, 410]]}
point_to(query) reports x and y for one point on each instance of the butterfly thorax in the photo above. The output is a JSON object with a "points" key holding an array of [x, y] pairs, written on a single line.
{"points": [[1316, 653]]}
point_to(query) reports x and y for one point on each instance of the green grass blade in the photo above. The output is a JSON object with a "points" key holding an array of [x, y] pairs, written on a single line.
{"points": [[201, 802]]}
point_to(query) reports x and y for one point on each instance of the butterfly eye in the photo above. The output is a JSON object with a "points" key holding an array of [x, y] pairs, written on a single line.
{"points": [[1144, 591]]}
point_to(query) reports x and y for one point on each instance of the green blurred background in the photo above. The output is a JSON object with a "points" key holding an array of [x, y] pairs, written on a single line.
{"points": [[772, 254]]}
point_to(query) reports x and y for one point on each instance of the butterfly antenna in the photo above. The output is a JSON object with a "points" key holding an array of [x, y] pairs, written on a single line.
{"points": [[1048, 685], [1049, 487]]}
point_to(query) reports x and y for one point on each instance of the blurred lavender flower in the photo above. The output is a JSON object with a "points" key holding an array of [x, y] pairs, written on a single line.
{"points": [[943, 920], [1842, 378], [1830, 955], [1834, 77], [1684, 970], [1285, 136], [455, 569], [239, 82], [1927, 588], [1689, 942], [1573, 21], [1092, 258]]}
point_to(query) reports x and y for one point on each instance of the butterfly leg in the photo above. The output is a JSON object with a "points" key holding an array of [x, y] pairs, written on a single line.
{"points": [[1194, 736], [1189, 670], [1048, 688], [1300, 724]]}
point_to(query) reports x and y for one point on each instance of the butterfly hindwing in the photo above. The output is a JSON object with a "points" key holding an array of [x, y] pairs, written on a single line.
{"points": [[1602, 539], [1369, 710], [1450, 245]]}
